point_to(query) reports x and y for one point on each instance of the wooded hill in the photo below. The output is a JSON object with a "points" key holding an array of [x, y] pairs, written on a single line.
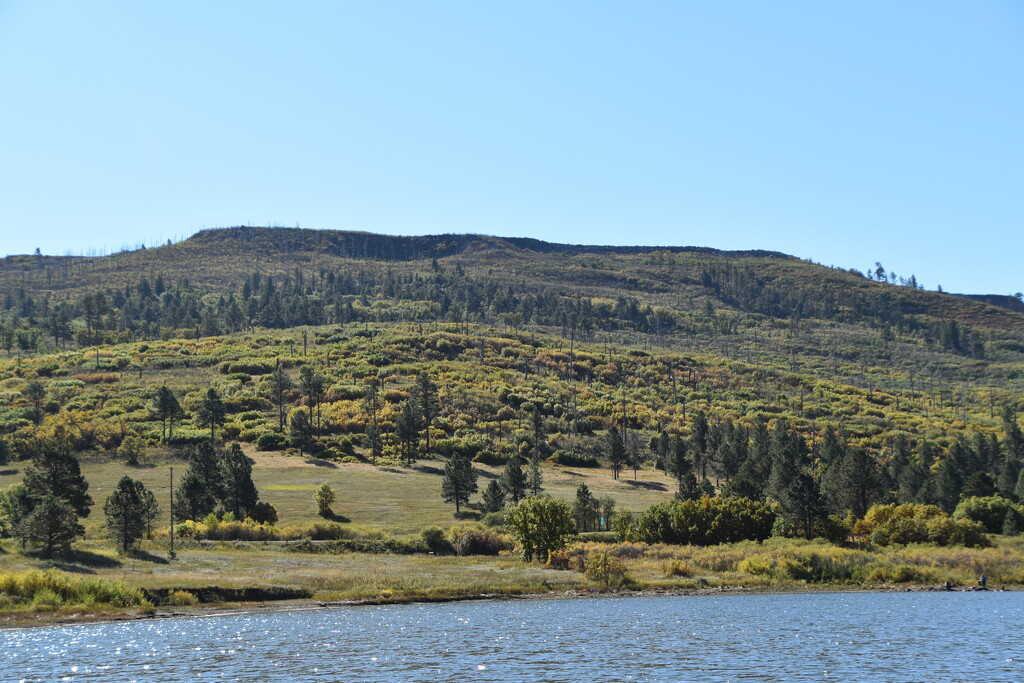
{"points": [[538, 349]]}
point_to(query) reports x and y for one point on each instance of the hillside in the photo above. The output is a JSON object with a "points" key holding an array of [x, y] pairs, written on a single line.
{"points": [[376, 363]]}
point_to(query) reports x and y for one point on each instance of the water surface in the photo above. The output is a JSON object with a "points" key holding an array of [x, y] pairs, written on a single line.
{"points": [[835, 636]]}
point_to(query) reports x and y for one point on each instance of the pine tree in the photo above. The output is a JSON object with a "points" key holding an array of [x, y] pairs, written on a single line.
{"points": [[240, 494], [425, 393], [211, 412], [459, 481], [585, 508], [280, 385], [615, 450], [699, 436], [130, 511], [407, 430], [301, 430], [314, 386], [55, 471], [513, 480], [202, 486], [803, 503], [494, 497], [168, 410], [52, 526], [534, 477], [371, 404]]}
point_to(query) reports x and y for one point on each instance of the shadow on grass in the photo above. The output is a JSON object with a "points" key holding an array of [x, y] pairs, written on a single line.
{"points": [[647, 485], [91, 559], [4, 473], [488, 475], [141, 465], [332, 516], [392, 470], [427, 469], [467, 514], [571, 473], [147, 556], [320, 462]]}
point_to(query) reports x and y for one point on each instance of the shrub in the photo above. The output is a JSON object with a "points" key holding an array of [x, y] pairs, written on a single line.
{"points": [[990, 511], [675, 568], [606, 570], [263, 513], [271, 441], [480, 543], [567, 459], [54, 588], [557, 560], [436, 542], [708, 521], [915, 523], [180, 598]]}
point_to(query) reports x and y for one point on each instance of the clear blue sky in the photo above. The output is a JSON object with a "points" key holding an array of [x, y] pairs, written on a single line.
{"points": [[846, 133]]}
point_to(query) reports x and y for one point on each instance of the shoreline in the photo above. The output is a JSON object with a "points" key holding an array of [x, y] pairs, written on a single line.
{"points": [[48, 619]]}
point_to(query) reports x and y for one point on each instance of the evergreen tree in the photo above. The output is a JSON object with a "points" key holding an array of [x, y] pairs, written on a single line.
{"points": [[676, 462], [513, 480], [202, 486], [585, 509], [949, 478], [55, 471], [280, 385], [15, 505], [1013, 438], [788, 453], [168, 410], [240, 494], [314, 386], [372, 405], [615, 450], [459, 481], [803, 503], [301, 430], [534, 478], [51, 526], [1010, 523], [211, 412], [494, 497], [853, 482], [130, 511], [425, 393], [699, 435], [407, 430]]}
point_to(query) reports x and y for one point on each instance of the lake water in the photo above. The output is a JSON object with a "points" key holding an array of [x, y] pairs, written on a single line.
{"points": [[844, 636]]}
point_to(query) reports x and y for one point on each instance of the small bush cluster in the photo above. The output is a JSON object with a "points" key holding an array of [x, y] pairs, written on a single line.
{"points": [[708, 521], [53, 588], [916, 523]]}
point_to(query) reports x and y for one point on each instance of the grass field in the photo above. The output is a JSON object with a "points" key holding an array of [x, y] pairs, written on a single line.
{"points": [[397, 499]]}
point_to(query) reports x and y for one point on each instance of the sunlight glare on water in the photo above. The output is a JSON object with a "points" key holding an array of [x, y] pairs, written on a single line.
{"points": [[857, 636]]}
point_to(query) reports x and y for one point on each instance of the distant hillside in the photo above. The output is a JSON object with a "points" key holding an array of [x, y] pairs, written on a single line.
{"points": [[750, 304]]}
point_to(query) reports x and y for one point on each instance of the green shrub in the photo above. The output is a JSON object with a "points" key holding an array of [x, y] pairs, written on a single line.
{"points": [[568, 459], [480, 543], [990, 511], [436, 541], [271, 441], [708, 521], [606, 570], [179, 598]]}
